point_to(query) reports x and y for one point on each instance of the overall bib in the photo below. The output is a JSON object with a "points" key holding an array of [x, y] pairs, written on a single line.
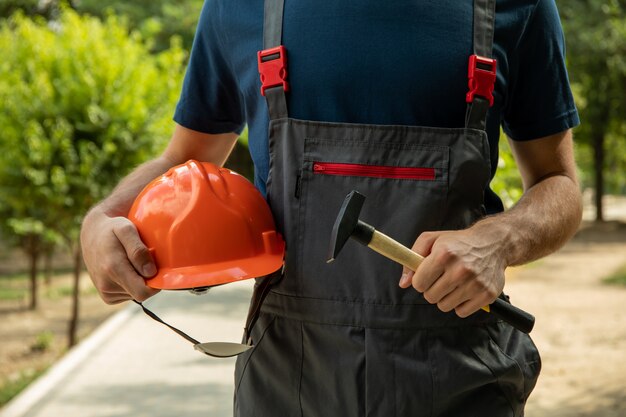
{"points": [[343, 339]]}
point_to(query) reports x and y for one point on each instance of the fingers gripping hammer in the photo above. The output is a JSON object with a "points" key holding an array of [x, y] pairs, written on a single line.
{"points": [[348, 226]]}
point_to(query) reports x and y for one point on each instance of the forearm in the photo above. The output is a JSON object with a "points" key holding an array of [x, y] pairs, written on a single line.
{"points": [[464, 269], [545, 218], [185, 144], [122, 197]]}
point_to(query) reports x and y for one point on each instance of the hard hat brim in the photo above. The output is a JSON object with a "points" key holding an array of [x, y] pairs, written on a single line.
{"points": [[200, 276]]}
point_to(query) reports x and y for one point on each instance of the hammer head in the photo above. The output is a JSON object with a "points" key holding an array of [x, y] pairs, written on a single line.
{"points": [[346, 223]]}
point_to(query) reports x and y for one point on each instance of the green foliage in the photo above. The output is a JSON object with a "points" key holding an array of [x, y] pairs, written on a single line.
{"points": [[81, 103], [596, 39], [12, 294], [65, 291], [8, 7], [60, 291], [507, 182], [43, 342], [243, 138], [14, 286], [155, 19], [618, 277], [11, 388]]}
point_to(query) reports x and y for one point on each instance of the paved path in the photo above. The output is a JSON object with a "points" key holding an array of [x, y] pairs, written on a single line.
{"points": [[134, 366], [580, 329]]}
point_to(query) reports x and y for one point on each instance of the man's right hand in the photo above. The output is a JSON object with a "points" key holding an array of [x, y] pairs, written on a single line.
{"points": [[116, 258]]}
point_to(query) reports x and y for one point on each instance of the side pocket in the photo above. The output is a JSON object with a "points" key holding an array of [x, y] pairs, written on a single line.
{"points": [[532, 368], [264, 323], [471, 376], [268, 378], [520, 348], [507, 372]]}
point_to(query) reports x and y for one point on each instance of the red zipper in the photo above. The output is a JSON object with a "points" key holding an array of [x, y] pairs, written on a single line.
{"points": [[375, 171]]}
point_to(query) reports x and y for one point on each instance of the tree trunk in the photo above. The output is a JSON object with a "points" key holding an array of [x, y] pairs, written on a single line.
{"points": [[34, 299], [73, 327], [598, 151], [47, 267]]}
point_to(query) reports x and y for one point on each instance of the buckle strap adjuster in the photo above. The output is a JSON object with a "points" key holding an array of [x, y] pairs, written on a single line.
{"points": [[273, 68], [481, 78]]}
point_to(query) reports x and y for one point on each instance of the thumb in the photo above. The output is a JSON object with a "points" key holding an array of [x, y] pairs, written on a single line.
{"points": [[406, 278], [137, 252]]}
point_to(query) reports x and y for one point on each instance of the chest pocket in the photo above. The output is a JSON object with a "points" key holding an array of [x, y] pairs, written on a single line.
{"points": [[406, 188]]}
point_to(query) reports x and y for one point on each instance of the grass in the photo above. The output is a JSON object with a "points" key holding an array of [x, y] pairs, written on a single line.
{"points": [[13, 286], [16, 286], [618, 277], [43, 342], [63, 291], [12, 294], [14, 386]]}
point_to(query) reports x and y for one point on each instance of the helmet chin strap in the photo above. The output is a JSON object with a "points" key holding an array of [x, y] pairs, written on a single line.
{"points": [[227, 349], [214, 349]]}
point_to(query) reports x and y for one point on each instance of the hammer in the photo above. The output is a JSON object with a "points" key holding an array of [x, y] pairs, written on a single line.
{"points": [[348, 225]]}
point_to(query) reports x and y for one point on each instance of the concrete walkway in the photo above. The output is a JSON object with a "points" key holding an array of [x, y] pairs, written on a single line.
{"points": [[134, 366]]}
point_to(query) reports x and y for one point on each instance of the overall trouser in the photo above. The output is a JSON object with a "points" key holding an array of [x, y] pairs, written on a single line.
{"points": [[343, 339]]}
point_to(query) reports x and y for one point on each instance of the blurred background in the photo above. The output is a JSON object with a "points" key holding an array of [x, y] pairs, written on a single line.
{"points": [[87, 92]]}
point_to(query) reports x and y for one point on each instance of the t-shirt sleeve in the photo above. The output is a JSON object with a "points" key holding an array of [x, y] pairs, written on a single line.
{"points": [[539, 101], [210, 100]]}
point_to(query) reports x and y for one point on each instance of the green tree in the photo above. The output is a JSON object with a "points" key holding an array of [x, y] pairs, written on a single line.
{"points": [[46, 8], [21, 229], [596, 35], [158, 19], [82, 102], [8, 7]]}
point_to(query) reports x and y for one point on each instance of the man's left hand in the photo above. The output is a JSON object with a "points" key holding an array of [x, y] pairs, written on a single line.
{"points": [[462, 270]]}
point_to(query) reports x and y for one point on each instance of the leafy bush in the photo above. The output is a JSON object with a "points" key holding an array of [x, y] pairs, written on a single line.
{"points": [[507, 182], [82, 102], [43, 341]]}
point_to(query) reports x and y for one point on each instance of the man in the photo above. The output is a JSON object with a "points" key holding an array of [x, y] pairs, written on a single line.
{"points": [[345, 111]]}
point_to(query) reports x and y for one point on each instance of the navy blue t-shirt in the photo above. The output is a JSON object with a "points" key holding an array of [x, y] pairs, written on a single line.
{"points": [[394, 62]]}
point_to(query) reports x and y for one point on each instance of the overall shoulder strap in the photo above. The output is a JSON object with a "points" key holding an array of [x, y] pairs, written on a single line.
{"points": [[484, 22], [272, 60], [482, 66]]}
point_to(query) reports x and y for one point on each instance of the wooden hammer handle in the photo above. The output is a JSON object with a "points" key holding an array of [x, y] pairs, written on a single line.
{"points": [[399, 253], [395, 251]]}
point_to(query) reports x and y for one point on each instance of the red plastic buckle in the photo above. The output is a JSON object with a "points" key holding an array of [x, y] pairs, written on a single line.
{"points": [[273, 68], [482, 78]]}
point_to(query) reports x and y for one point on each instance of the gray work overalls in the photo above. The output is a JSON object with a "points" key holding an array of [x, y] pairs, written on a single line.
{"points": [[342, 339]]}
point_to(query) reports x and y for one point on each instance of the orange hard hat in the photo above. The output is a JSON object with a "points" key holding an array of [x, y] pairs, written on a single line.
{"points": [[205, 226]]}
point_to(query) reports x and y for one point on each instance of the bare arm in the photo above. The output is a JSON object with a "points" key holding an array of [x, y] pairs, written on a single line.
{"points": [[116, 258], [549, 212], [464, 270], [185, 144]]}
